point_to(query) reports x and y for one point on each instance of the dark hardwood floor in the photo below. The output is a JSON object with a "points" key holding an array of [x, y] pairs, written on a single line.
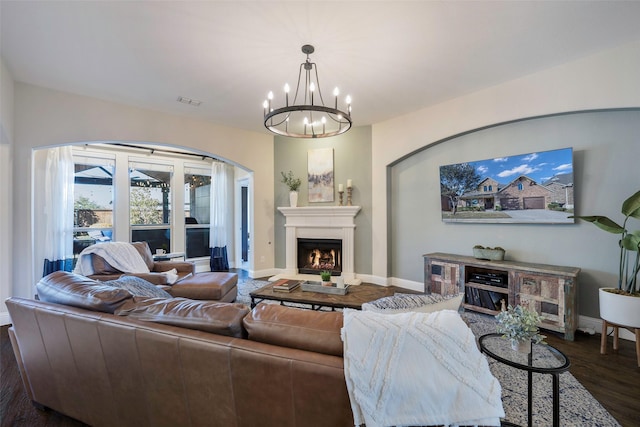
{"points": [[613, 379]]}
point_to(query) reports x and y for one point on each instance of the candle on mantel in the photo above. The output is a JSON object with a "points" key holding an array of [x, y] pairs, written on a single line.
{"points": [[349, 183], [340, 188]]}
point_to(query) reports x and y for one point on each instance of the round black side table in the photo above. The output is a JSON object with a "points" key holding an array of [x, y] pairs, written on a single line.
{"points": [[542, 359]]}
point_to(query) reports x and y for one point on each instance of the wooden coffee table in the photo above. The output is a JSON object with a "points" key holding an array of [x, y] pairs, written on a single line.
{"points": [[355, 297]]}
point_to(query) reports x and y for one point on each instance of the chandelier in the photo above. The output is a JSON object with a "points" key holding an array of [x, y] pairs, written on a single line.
{"points": [[309, 117]]}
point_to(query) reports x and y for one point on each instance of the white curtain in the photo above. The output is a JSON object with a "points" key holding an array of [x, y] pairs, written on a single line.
{"points": [[58, 210], [221, 214]]}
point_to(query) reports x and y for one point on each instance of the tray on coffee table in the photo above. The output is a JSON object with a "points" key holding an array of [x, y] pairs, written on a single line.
{"points": [[311, 286]]}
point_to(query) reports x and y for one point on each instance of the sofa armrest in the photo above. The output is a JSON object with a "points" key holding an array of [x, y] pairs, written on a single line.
{"points": [[21, 368], [180, 266]]}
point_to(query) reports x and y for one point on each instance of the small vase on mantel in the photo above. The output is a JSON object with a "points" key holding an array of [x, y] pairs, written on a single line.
{"points": [[293, 199], [522, 346]]}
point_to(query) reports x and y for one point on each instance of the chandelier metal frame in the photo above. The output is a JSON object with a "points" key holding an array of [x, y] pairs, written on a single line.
{"points": [[316, 120]]}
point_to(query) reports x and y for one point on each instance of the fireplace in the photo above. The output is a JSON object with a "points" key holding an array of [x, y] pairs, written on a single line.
{"points": [[321, 223], [316, 255]]}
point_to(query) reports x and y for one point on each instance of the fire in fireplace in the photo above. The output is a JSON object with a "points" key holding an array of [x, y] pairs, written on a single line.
{"points": [[315, 255]]}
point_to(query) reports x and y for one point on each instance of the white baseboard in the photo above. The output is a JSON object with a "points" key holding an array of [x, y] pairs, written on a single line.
{"points": [[267, 272], [407, 284], [367, 278], [596, 325]]}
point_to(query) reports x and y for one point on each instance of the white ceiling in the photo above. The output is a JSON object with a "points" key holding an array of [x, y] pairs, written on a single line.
{"points": [[392, 57]]}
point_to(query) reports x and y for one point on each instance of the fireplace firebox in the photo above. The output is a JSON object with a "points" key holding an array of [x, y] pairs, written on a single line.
{"points": [[316, 255]]}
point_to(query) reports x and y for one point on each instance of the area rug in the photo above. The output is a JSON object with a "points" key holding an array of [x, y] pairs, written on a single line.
{"points": [[577, 406]]}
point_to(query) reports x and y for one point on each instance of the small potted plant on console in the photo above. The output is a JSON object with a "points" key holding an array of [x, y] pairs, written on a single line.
{"points": [[491, 254]]}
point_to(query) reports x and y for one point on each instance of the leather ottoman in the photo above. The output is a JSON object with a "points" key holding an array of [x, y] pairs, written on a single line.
{"points": [[213, 286]]}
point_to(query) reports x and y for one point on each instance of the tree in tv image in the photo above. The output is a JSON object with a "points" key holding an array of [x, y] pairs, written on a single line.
{"points": [[525, 188]]}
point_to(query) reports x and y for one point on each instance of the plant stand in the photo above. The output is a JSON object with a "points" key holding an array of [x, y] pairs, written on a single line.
{"points": [[616, 327]]}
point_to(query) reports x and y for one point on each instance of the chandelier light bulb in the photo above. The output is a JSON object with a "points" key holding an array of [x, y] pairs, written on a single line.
{"points": [[348, 100], [336, 92], [286, 93], [270, 98], [312, 88]]}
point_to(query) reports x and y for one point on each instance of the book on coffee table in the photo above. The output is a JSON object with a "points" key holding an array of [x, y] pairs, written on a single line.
{"points": [[286, 285]]}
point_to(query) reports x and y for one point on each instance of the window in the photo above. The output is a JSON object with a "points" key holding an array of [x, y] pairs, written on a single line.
{"points": [[162, 190], [520, 186], [150, 203], [93, 201], [197, 210], [491, 188], [485, 189]]}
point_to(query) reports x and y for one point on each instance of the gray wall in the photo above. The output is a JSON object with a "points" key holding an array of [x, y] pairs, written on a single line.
{"points": [[606, 153], [352, 160]]}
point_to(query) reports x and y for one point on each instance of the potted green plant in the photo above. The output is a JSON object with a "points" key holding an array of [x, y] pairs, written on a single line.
{"points": [[491, 254], [520, 326], [325, 276], [621, 305], [294, 185]]}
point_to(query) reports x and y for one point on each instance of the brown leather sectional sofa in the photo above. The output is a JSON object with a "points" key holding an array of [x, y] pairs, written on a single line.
{"points": [[97, 354]]}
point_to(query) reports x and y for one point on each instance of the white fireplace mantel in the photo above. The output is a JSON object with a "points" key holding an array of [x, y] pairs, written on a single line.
{"points": [[321, 222]]}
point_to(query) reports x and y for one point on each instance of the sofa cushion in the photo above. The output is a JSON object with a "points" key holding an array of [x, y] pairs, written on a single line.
{"points": [[145, 252], [66, 288], [138, 287], [206, 285], [317, 331], [403, 303], [209, 316], [101, 266]]}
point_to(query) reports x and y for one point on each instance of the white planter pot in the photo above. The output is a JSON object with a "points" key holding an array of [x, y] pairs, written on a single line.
{"points": [[619, 309], [293, 199]]}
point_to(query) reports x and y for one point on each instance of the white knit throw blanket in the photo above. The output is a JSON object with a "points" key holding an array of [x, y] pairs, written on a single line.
{"points": [[120, 255], [417, 369]]}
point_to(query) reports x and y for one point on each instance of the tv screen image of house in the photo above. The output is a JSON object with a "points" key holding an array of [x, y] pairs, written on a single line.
{"points": [[525, 188]]}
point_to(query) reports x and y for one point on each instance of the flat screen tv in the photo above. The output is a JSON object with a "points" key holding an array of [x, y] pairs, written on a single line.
{"points": [[525, 188]]}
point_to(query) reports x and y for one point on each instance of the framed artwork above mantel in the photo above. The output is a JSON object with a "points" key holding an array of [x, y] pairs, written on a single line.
{"points": [[320, 175]]}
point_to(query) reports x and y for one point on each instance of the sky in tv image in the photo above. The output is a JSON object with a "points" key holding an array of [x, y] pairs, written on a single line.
{"points": [[540, 167]]}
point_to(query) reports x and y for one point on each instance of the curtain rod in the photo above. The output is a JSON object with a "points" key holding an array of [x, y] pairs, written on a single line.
{"points": [[161, 150]]}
